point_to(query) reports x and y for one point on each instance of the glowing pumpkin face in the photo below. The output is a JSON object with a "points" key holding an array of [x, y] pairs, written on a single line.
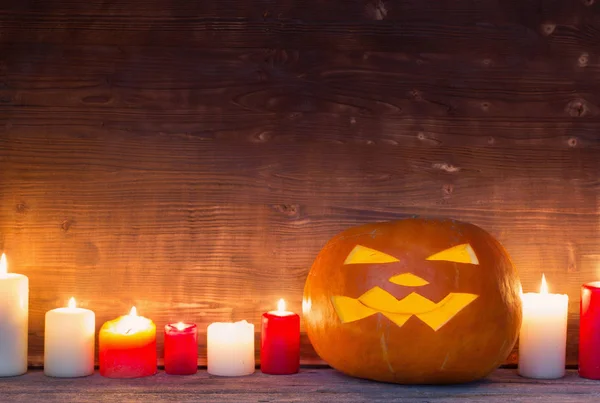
{"points": [[377, 300], [413, 301]]}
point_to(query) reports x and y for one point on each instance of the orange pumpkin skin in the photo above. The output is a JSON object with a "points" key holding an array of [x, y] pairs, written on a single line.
{"points": [[435, 345]]}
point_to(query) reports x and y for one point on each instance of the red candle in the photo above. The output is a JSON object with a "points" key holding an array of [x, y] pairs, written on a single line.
{"points": [[181, 348], [128, 347], [280, 342], [589, 331]]}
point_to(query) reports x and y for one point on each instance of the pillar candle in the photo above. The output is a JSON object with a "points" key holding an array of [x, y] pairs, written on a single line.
{"points": [[128, 347], [589, 331], [69, 342], [543, 337], [280, 341], [181, 348], [230, 348], [14, 310]]}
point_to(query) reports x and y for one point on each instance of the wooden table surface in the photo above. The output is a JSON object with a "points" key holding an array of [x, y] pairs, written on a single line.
{"points": [[310, 385]]}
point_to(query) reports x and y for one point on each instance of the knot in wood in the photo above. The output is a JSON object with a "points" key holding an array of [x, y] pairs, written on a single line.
{"points": [[262, 137], [572, 142], [416, 94], [66, 225], [444, 166], [577, 108], [289, 210], [376, 10], [583, 60], [548, 28], [22, 208], [588, 2]]}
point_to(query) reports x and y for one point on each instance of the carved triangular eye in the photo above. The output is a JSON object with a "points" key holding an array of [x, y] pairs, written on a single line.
{"points": [[460, 254], [361, 255]]}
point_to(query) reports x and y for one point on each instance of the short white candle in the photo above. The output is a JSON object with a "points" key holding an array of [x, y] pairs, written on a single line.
{"points": [[543, 338], [14, 310], [230, 348], [69, 342]]}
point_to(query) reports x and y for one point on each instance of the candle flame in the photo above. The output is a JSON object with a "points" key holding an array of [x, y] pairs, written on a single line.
{"points": [[180, 325], [3, 265], [132, 323], [72, 303], [544, 286], [281, 305]]}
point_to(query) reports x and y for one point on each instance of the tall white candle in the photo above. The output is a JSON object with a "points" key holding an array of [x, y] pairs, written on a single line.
{"points": [[543, 338], [69, 342], [14, 309], [230, 348]]}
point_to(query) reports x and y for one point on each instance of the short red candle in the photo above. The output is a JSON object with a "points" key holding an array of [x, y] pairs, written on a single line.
{"points": [[280, 342], [589, 331], [181, 348], [128, 347]]}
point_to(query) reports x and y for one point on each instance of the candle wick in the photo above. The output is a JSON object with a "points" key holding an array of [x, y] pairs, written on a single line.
{"points": [[128, 330]]}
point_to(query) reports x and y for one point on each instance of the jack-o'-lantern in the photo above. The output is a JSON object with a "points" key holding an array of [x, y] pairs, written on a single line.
{"points": [[413, 301]]}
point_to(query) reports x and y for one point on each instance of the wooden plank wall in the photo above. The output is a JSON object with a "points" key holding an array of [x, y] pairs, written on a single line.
{"points": [[192, 157]]}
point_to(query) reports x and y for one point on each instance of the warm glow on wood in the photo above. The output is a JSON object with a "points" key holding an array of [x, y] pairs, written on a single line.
{"points": [[3, 265], [281, 305], [72, 304], [544, 286]]}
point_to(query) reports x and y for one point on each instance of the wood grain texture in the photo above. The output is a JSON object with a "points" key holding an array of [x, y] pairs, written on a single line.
{"points": [[314, 385], [192, 158]]}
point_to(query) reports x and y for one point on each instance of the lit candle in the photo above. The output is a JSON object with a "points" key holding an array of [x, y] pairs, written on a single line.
{"points": [[589, 331], [280, 341], [543, 338], [128, 347], [69, 342], [230, 348], [181, 348], [14, 309]]}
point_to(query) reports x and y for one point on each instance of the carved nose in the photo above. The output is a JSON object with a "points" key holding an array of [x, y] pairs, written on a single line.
{"points": [[408, 280]]}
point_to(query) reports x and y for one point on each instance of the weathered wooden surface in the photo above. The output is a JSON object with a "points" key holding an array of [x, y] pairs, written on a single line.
{"points": [[316, 385], [192, 158]]}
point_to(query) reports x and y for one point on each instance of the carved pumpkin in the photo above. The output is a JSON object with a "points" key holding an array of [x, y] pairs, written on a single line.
{"points": [[413, 301]]}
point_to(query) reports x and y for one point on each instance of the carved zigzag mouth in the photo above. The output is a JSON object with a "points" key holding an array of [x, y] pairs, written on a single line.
{"points": [[377, 300]]}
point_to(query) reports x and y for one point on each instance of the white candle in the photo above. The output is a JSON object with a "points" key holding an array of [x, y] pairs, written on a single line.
{"points": [[230, 348], [14, 309], [543, 338], [69, 342]]}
